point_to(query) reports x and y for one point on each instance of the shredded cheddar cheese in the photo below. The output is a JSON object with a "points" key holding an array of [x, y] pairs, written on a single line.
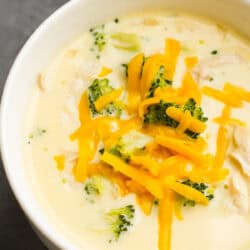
{"points": [[181, 148], [184, 122], [148, 163], [84, 112], [152, 65], [87, 147], [191, 62], [60, 162], [165, 218], [134, 74], [172, 51], [166, 92], [222, 96], [150, 70], [150, 183], [191, 123], [156, 169], [225, 118], [105, 71], [146, 202], [104, 100], [241, 93], [189, 87], [177, 210], [186, 191], [229, 121], [222, 146]]}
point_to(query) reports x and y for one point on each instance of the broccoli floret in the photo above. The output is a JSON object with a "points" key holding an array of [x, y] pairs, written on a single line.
{"points": [[157, 115], [113, 109], [201, 187], [129, 144], [194, 110], [93, 188], [119, 220], [99, 39], [159, 81], [94, 185], [98, 88]]}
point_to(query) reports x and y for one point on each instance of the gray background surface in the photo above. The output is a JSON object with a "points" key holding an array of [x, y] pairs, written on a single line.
{"points": [[18, 19]]}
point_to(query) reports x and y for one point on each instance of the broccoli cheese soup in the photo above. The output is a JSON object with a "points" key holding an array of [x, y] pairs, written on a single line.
{"points": [[138, 136]]}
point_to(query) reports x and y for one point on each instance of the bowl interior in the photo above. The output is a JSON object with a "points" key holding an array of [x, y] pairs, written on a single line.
{"points": [[68, 22]]}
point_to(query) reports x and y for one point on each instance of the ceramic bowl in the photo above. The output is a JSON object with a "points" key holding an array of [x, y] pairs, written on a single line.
{"points": [[57, 31]]}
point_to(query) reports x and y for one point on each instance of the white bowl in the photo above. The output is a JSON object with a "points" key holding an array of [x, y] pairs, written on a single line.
{"points": [[59, 29]]}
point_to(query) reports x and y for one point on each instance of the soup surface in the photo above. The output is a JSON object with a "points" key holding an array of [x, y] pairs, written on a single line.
{"points": [[216, 65]]}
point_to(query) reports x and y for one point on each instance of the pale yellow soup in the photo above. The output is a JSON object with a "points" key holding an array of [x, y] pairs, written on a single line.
{"points": [[53, 116]]}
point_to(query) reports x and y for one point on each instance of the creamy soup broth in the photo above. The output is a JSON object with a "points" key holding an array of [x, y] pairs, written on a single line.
{"points": [[53, 116]]}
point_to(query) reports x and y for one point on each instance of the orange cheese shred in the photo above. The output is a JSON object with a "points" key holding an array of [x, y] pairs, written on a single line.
{"points": [[225, 118], [222, 96], [134, 187], [134, 75], [149, 72], [181, 147], [60, 162], [240, 92], [172, 51], [83, 108], [167, 92], [185, 122], [141, 177], [174, 166], [154, 62], [105, 71], [212, 175], [157, 151], [146, 202], [87, 147], [192, 123], [146, 162], [229, 121], [177, 210], [189, 86], [222, 146], [106, 99], [104, 125], [186, 191], [191, 62], [165, 218]]}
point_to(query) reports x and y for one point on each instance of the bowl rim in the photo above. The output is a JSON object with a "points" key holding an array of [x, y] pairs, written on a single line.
{"points": [[43, 228]]}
